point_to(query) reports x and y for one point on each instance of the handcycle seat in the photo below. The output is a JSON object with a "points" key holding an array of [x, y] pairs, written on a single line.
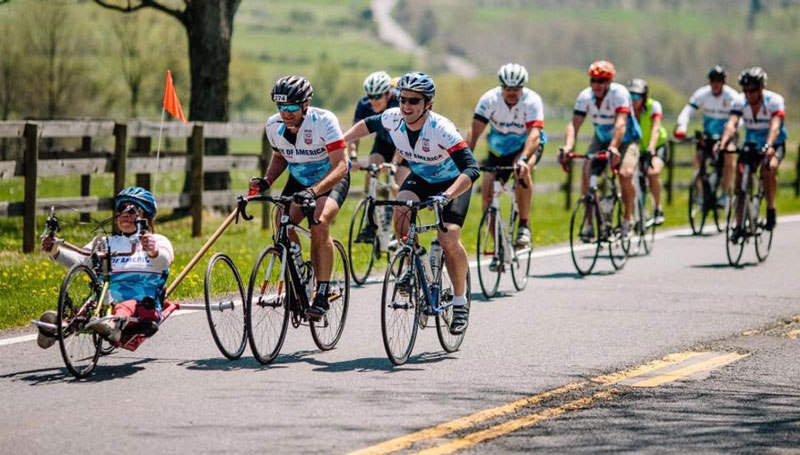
{"points": [[134, 334]]}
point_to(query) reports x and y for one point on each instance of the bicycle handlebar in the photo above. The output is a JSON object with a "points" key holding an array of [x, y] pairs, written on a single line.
{"points": [[416, 205], [495, 169], [308, 207]]}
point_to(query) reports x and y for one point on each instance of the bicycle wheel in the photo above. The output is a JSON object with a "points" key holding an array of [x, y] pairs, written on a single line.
{"points": [[716, 191], [697, 204], [735, 250], [635, 245], [649, 211], [521, 266], [327, 331], [267, 306], [618, 246], [361, 253], [399, 310], [449, 341], [763, 237], [488, 251], [77, 299], [225, 297], [584, 235]]}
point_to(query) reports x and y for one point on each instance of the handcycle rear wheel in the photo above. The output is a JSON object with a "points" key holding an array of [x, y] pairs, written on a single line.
{"points": [[327, 331], [450, 342], [361, 255], [400, 312], [224, 298], [78, 297], [267, 306], [584, 251], [489, 248]]}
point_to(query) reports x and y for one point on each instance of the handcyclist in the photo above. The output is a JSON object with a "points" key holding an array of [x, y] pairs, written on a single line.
{"points": [[608, 104], [516, 116], [715, 100], [309, 143], [442, 167], [763, 113], [654, 139], [137, 280]]}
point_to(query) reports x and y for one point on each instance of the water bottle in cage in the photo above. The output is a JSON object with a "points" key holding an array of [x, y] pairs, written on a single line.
{"points": [[436, 258], [426, 264], [297, 256]]}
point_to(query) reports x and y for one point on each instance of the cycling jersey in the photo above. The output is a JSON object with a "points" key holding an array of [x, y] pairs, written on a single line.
{"points": [[757, 126], [306, 153], [364, 110], [716, 109], [651, 111], [616, 100], [429, 155], [509, 124]]}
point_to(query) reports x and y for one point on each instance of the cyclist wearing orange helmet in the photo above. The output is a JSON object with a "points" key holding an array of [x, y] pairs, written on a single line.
{"points": [[608, 104]]}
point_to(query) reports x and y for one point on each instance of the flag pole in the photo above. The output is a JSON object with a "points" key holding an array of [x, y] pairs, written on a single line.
{"points": [[158, 149]]}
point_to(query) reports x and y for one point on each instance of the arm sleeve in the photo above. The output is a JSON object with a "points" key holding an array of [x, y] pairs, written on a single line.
{"points": [[685, 117], [373, 123], [737, 106], [480, 118], [466, 163], [165, 253], [582, 103]]}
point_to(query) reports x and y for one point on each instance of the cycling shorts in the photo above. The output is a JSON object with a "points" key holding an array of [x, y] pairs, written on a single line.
{"points": [[454, 212], [509, 160]]}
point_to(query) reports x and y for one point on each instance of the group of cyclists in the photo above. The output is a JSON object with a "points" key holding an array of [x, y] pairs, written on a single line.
{"points": [[435, 162]]}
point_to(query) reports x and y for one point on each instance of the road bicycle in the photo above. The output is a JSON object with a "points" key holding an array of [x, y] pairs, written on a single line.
{"points": [[644, 226], [746, 214], [282, 284], [428, 291], [597, 218], [371, 232], [496, 252], [705, 188]]}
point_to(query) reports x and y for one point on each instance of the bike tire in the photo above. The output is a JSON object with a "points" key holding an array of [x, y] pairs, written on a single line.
{"points": [[734, 250], [267, 306], [327, 331], [78, 297], [585, 210], [521, 266], [618, 246], [718, 212], [488, 248], [225, 299], [697, 204], [450, 342], [399, 313], [358, 252], [763, 237], [649, 208]]}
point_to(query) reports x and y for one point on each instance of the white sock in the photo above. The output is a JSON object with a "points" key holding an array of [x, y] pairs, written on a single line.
{"points": [[459, 300]]}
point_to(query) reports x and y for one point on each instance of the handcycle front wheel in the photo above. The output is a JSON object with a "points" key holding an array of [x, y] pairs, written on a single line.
{"points": [[361, 254], [267, 306], [584, 235], [400, 311], [488, 251], [78, 297], [224, 298], [327, 331], [450, 342]]}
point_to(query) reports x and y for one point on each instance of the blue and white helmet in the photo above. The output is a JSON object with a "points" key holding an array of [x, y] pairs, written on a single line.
{"points": [[417, 82], [377, 83], [139, 196], [512, 75]]}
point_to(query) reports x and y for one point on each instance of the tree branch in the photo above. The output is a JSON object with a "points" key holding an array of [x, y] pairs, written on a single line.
{"points": [[178, 14]]}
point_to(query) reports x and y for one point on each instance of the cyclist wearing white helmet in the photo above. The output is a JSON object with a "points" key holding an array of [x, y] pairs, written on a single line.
{"points": [[654, 138], [516, 138], [442, 167]]}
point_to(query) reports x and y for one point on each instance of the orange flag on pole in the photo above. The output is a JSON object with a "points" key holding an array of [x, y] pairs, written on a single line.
{"points": [[171, 102]]}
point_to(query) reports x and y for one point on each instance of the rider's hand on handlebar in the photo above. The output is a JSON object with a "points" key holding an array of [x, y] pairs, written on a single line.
{"points": [[149, 244], [616, 158], [680, 134], [258, 185], [354, 164], [302, 196], [49, 245], [716, 148], [442, 199]]}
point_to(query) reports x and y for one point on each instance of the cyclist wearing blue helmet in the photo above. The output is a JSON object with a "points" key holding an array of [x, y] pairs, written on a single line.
{"points": [[442, 167], [138, 279]]}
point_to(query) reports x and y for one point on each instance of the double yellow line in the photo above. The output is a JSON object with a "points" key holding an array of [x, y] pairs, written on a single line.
{"points": [[673, 370]]}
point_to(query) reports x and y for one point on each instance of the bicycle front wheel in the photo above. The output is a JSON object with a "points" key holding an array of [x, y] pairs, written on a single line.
{"points": [[584, 235], [697, 204], [361, 247], [734, 244], [521, 266], [327, 331], [400, 309], [78, 297], [763, 237], [648, 238], [450, 342], [267, 306], [224, 297], [488, 253], [618, 244]]}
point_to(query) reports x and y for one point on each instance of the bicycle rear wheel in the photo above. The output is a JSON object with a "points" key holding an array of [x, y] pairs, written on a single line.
{"points": [[77, 299], [488, 251], [267, 306], [449, 341], [361, 251], [399, 310], [584, 235], [224, 297], [697, 204], [763, 237], [327, 331], [521, 266], [618, 245], [735, 250]]}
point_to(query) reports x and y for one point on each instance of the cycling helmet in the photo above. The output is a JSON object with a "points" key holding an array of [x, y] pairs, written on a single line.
{"points": [[139, 196], [602, 69], [417, 82], [753, 76], [512, 75], [717, 73], [638, 86], [292, 90], [377, 83]]}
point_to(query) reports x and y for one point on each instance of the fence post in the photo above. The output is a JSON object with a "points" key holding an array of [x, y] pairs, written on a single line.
{"points": [[143, 147], [31, 165], [263, 164], [670, 169], [196, 196], [568, 187], [120, 156], [86, 179]]}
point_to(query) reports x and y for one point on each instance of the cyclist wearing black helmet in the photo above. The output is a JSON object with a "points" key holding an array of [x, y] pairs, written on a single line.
{"points": [[442, 167], [763, 113], [715, 100], [654, 138], [309, 143]]}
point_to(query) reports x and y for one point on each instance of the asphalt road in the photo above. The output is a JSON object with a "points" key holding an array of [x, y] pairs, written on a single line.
{"points": [[177, 394]]}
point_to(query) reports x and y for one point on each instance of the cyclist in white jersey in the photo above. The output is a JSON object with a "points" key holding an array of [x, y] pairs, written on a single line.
{"points": [[715, 100], [763, 113], [442, 167], [608, 104], [516, 117], [309, 143]]}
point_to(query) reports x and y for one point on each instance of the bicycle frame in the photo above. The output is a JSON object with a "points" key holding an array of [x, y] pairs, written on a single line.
{"points": [[498, 188], [372, 197]]}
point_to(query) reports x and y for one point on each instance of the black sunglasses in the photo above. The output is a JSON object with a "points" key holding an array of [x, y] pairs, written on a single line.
{"points": [[375, 97], [412, 101], [597, 80], [126, 208], [750, 90]]}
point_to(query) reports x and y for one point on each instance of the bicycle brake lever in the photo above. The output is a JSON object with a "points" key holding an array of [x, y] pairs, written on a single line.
{"points": [[242, 205]]}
